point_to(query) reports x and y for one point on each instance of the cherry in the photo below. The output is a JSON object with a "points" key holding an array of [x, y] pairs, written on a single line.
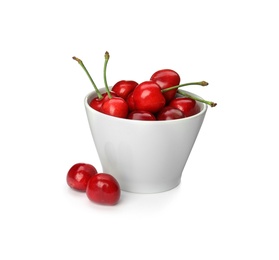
{"points": [[115, 106], [103, 189], [79, 175], [96, 103], [130, 101], [124, 87], [170, 113], [167, 78], [141, 115], [187, 105], [148, 97]]}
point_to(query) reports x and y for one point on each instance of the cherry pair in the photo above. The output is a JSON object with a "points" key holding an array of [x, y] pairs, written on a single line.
{"points": [[101, 188]]}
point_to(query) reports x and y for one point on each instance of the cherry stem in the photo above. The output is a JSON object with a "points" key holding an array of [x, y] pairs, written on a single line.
{"points": [[87, 73], [200, 83], [105, 74], [185, 94]]}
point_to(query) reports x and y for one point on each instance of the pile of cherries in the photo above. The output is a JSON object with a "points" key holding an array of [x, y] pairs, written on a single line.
{"points": [[158, 98]]}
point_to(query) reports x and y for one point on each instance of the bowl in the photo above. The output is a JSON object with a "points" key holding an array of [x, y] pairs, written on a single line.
{"points": [[144, 156]]}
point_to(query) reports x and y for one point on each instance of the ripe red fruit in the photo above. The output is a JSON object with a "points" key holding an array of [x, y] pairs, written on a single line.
{"points": [[79, 175], [170, 113], [96, 103], [115, 106], [148, 97], [103, 189], [130, 101], [187, 105], [124, 87], [167, 78], [141, 115]]}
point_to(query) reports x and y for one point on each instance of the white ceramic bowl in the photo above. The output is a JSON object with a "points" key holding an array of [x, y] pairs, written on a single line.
{"points": [[144, 156]]}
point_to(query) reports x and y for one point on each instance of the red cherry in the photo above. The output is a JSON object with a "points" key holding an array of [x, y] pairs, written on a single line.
{"points": [[141, 115], [115, 106], [103, 189], [96, 103], [124, 87], [130, 101], [79, 175], [148, 97], [187, 105], [167, 78], [170, 113]]}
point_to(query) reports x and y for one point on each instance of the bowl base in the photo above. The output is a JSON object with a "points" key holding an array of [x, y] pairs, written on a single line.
{"points": [[150, 190]]}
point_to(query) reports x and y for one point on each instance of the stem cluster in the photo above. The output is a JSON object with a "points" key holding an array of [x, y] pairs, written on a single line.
{"points": [[181, 92]]}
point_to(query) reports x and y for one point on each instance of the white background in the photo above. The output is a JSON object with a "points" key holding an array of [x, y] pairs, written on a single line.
{"points": [[227, 204]]}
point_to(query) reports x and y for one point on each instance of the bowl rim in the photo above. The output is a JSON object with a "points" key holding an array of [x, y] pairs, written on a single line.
{"points": [[93, 94]]}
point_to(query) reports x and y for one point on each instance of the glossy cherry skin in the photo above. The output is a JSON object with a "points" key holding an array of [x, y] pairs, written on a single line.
{"points": [[130, 101], [96, 103], [148, 97], [124, 87], [170, 113], [141, 115], [115, 106], [103, 189], [187, 105], [167, 78], [79, 175]]}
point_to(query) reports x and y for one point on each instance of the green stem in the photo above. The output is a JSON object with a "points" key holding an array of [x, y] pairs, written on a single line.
{"points": [[201, 83], [87, 73], [185, 94], [105, 74]]}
